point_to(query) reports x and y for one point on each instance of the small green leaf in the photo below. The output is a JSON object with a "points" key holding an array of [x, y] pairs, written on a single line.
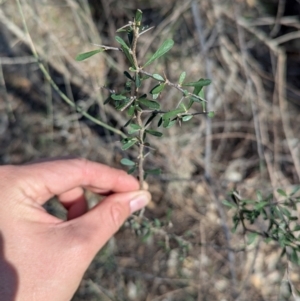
{"points": [[118, 97], [229, 204], [251, 238], [86, 55], [129, 144], [150, 104], [295, 190], [125, 48], [130, 111], [281, 192], [135, 126], [182, 78], [127, 162], [154, 133], [157, 89], [166, 122], [285, 212], [131, 170], [171, 123], [294, 257], [137, 80], [127, 74], [132, 131], [158, 77], [122, 42], [152, 116], [296, 228], [211, 114], [199, 84], [156, 171], [261, 205], [159, 122], [164, 48], [172, 113], [187, 117], [157, 223], [155, 96], [138, 17]]}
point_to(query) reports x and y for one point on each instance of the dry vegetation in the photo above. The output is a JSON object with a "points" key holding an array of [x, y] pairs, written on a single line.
{"points": [[252, 143]]}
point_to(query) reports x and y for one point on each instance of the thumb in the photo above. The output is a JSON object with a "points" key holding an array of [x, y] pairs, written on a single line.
{"points": [[104, 220]]}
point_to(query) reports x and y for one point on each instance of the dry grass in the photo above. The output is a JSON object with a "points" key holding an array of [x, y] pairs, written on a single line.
{"points": [[251, 144]]}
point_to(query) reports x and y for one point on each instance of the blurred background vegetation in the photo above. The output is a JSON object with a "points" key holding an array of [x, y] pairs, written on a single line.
{"points": [[250, 49]]}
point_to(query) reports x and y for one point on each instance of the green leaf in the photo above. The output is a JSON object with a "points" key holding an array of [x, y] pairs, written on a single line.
{"points": [[281, 192], [154, 133], [182, 78], [285, 212], [122, 42], [135, 126], [157, 89], [164, 48], [137, 80], [127, 74], [229, 204], [157, 223], [155, 96], [129, 144], [295, 190], [199, 84], [130, 111], [156, 171], [211, 114], [158, 77], [152, 116], [166, 123], [294, 257], [138, 17], [159, 122], [127, 162], [187, 117], [131, 170], [172, 113], [296, 228], [261, 205], [150, 104], [86, 55], [170, 124], [118, 97], [251, 238], [125, 48]]}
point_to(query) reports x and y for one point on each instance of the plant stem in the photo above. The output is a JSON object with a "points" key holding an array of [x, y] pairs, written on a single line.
{"points": [[141, 156], [141, 149]]}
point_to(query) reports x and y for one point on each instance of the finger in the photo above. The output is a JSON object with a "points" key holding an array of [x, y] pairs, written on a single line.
{"points": [[99, 224], [42, 181], [75, 202]]}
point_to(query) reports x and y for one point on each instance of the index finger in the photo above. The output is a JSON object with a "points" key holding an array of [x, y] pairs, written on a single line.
{"points": [[41, 181]]}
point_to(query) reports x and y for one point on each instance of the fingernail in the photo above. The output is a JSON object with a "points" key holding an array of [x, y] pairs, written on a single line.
{"points": [[139, 202]]}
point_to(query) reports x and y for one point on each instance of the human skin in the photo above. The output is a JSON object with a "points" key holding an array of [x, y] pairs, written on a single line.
{"points": [[41, 256]]}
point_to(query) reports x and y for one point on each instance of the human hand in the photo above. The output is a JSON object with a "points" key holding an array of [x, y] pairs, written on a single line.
{"points": [[41, 256]]}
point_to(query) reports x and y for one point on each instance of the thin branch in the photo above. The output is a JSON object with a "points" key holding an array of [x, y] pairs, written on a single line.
{"points": [[176, 86], [107, 47]]}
